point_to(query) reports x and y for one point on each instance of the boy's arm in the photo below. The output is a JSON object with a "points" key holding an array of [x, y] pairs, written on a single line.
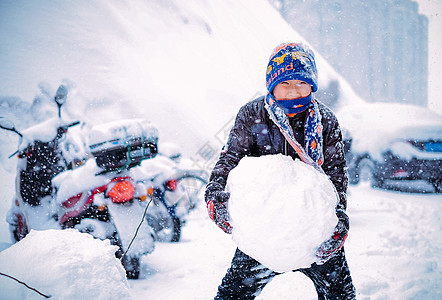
{"points": [[335, 167], [334, 161], [238, 145]]}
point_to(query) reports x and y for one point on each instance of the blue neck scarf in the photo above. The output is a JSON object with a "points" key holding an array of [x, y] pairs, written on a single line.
{"points": [[312, 154], [293, 106]]}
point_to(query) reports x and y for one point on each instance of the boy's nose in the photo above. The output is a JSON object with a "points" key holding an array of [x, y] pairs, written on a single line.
{"points": [[293, 92]]}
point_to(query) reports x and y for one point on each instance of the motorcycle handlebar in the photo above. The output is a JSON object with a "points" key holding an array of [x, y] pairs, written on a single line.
{"points": [[63, 129], [60, 132], [73, 124]]}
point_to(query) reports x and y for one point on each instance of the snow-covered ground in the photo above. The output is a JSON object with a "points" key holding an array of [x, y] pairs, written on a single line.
{"points": [[394, 251], [62, 264]]}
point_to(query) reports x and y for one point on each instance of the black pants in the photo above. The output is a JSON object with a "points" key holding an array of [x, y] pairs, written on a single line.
{"points": [[246, 278]]}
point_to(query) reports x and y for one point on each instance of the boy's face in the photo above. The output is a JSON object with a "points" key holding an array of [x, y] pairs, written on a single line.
{"points": [[291, 89]]}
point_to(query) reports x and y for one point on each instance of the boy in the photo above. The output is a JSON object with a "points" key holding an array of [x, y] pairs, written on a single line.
{"points": [[291, 121]]}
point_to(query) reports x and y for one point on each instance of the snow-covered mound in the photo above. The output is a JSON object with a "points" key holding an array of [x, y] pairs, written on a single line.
{"points": [[65, 264], [171, 61], [281, 210]]}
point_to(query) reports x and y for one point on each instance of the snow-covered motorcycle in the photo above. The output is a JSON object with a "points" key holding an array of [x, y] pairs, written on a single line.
{"points": [[191, 180], [175, 191], [157, 177], [45, 150], [102, 197]]}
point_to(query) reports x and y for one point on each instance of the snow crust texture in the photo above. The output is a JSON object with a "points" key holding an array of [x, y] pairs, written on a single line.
{"points": [[281, 210], [71, 265]]}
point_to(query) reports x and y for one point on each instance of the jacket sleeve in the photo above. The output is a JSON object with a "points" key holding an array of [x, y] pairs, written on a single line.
{"points": [[334, 161], [238, 145]]}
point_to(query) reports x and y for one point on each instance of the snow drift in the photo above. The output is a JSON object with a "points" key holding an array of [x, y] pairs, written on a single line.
{"points": [[70, 265], [281, 209], [171, 62]]}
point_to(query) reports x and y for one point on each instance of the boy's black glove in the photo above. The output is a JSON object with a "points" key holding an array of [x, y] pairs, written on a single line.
{"points": [[331, 246], [216, 200]]}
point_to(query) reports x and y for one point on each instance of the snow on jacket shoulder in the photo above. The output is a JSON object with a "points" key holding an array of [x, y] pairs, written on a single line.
{"points": [[255, 134]]}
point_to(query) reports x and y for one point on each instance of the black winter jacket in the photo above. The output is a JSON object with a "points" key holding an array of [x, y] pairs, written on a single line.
{"points": [[255, 134]]}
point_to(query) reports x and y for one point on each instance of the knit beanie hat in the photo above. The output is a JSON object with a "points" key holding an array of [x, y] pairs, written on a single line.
{"points": [[292, 61]]}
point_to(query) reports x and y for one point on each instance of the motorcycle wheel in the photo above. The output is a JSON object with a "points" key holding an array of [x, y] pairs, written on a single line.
{"points": [[166, 227], [132, 267], [194, 185], [176, 230], [367, 172], [437, 184], [100, 230]]}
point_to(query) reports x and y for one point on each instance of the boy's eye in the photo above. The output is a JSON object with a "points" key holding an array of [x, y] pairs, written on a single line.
{"points": [[301, 83]]}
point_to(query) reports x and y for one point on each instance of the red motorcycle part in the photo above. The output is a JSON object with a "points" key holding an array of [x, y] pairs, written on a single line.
{"points": [[22, 229], [170, 185], [121, 194], [73, 206], [122, 191], [72, 201]]}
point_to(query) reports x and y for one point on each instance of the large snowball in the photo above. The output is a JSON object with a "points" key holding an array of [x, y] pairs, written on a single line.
{"points": [[65, 264], [281, 210]]}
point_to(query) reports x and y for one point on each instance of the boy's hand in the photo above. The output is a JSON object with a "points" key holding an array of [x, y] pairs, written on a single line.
{"points": [[331, 246], [217, 209]]}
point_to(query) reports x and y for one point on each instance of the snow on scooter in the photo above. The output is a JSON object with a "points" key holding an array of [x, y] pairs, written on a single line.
{"points": [[169, 185], [191, 180], [102, 197], [44, 150], [157, 176]]}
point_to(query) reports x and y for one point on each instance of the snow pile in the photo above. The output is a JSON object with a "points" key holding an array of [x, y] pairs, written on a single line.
{"points": [[281, 210], [69, 264], [133, 49]]}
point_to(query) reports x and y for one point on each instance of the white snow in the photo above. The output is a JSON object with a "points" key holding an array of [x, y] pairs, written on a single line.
{"points": [[65, 265], [73, 182], [45, 132], [169, 62], [281, 209], [120, 133]]}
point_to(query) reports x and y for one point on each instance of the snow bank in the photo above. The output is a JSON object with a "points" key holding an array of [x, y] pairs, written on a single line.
{"points": [[66, 264], [281, 210], [170, 61]]}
